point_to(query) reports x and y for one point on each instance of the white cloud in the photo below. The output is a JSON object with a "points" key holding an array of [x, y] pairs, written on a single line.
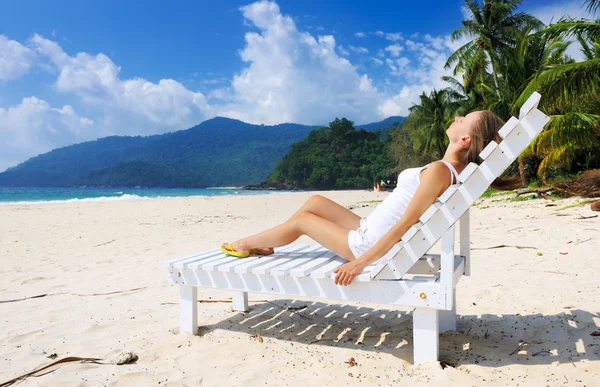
{"points": [[359, 50], [377, 61], [34, 127], [15, 59], [293, 77], [393, 36], [343, 51], [379, 33], [360, 34], [394, 49], [167, 104], [430, 56]]}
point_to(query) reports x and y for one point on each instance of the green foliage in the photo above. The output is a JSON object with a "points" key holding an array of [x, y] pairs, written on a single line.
{"points": [[335, 157], [525, 58], [429, 120]]}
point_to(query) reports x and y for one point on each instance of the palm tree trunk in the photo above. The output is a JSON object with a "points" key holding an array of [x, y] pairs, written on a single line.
{"points": [[522, 172]]}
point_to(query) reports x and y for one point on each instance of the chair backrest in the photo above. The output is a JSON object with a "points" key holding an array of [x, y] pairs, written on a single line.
{"points": [[516, 135]]}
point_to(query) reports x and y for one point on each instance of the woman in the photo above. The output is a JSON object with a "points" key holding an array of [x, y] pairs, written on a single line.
{"points": [[363, 241]]}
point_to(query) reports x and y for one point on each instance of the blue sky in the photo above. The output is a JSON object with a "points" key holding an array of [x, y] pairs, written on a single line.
{"points": [[72, 71]]}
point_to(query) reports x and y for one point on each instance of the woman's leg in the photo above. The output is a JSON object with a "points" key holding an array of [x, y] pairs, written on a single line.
{"points": [[325, 232], [330, 210], [317, 205]]}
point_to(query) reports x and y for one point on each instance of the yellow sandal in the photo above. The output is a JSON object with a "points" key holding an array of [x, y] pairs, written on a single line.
{"points": [[231, 251]]}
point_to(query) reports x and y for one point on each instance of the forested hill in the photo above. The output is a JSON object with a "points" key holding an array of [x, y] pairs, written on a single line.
{"points": [[335, 157], [217, 152]]}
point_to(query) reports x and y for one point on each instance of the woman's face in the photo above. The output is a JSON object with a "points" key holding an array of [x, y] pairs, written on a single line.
{"points": [[460, 130]]}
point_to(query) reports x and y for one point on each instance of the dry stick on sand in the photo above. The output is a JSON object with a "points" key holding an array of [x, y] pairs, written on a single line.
{"points": [[209, 301], [502, 246], [105, 243], [65, 360], [73, 294]]}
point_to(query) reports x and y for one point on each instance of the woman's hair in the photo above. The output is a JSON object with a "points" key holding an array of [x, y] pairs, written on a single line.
{"points": [[484, 131]]}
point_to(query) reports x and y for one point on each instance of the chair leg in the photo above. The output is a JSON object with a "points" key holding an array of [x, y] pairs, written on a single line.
{"points": [[239, 301], [188, 309], [426, 331], [448, 317]]}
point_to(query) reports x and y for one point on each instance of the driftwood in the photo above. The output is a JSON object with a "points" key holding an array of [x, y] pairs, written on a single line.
{"points": [[65, 360], [539, 192]]}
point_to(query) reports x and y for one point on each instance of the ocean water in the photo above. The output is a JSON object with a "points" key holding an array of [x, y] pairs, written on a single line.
{"points": [[53, 195]]}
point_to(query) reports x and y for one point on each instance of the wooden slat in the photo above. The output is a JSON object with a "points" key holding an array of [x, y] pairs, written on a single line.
{"points": [[447, 193], [264, 269], [253, 260], [306, 268], [464, 175], [326, 270], [171, 262], [508, 127], [279, 252], [312, 253], [430, 211], [200, 257], [534, 122], [487, 151], [529, 105]]}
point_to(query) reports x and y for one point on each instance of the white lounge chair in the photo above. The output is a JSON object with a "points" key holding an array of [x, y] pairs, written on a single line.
{"points": [[405, 276]]}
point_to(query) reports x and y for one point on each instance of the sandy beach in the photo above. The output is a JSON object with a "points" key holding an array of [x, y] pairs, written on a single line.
{"points": [[526, 315]]}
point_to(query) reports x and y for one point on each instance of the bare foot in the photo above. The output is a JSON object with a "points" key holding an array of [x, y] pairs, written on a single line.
{"points": [[263, 251], [236, 246]]}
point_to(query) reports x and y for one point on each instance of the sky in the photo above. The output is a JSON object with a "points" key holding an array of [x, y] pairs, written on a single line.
{"points": [[74, 71]]}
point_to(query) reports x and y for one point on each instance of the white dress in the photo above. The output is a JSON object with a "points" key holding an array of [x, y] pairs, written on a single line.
{"points": [[389, 212]]}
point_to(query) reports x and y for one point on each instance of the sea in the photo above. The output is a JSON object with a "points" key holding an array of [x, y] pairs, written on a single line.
{"points": [[59, 195]]}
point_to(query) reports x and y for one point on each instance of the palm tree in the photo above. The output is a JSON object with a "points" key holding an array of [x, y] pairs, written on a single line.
{"points": [[565, 83], [593, 5], [428, 121], [491, 28], [566, 137], [570, 93]]}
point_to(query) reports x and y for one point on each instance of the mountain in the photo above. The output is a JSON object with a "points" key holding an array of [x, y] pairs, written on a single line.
{"points": [[217, 152], [388, 123]]}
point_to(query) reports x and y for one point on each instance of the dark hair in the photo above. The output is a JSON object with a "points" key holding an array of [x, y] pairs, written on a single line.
{"points": [[485, 130]]}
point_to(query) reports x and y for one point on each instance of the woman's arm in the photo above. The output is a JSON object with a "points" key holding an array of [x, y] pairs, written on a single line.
{"points": [[434, 181]]}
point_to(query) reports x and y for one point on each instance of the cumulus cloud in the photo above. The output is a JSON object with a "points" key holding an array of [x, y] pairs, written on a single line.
{"points": [[33, 127], [393, 36], [292, 76], [15, 59], [95, 78], [343, 51], [377, 61], [430, 55], [360, 34], [394, 49], [359, 50]]}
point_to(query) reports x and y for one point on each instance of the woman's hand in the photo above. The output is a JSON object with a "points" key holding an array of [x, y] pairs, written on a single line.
{"points": [[347, 272]]}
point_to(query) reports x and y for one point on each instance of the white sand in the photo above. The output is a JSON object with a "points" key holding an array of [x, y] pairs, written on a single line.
{"points": [[72, 251]]}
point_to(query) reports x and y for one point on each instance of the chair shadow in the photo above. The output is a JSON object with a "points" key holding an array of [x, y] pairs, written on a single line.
{"points": [[487, 340]]}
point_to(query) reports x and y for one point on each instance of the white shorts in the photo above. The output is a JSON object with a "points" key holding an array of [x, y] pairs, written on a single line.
{"points": [[357, 240]]}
